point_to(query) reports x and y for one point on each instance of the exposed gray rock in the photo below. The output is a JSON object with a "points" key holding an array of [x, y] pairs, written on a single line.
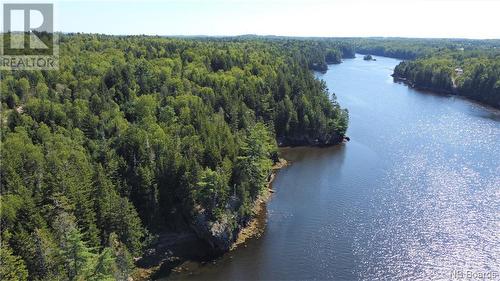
{"points": [[220, 235]]}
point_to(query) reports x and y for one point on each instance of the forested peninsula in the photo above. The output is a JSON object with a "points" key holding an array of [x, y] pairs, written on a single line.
{"points": [[136, 135], [469, 74]]}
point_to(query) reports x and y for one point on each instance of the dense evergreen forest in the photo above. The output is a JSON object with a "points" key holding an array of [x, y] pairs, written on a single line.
{"points": [[474, 74], [136, 134]]}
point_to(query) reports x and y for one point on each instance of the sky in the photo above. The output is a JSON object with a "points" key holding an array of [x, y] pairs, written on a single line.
{"points": [[334, 18]]}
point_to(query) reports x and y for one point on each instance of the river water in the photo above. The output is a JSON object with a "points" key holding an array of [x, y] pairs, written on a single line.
{"points": [[415, 194]]}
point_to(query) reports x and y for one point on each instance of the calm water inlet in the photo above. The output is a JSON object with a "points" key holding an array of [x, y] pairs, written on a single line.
{"points": [[414, 195]]}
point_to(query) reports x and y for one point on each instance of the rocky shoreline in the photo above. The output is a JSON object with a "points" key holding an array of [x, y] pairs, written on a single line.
{"points": [[255, 226], [173, 250], [323, 141]]}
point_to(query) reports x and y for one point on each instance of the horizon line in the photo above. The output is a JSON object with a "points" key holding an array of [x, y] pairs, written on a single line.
{"points": [[274, 35]]}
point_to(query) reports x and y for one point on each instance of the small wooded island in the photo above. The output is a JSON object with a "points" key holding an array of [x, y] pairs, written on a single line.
{"points": [[368, 58]]}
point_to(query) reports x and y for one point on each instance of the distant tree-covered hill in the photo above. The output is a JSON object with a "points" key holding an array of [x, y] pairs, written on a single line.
{"points": [[465, 67]]}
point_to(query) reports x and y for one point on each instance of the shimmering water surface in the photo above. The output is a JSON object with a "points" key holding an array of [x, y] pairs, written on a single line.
{"points": [[415, 194]]}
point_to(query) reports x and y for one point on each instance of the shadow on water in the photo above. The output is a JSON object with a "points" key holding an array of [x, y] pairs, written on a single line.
{"points": [[298, 154], [255, 258]]}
